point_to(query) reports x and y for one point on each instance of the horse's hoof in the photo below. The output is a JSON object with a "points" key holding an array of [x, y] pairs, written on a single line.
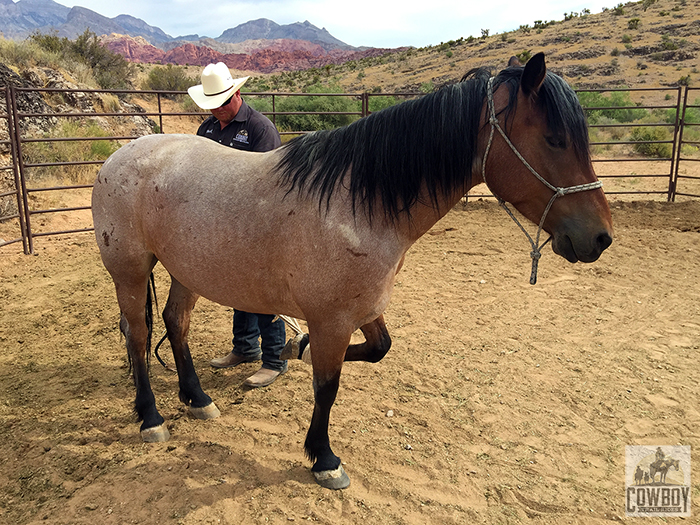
{"points": [[333, 479], [291, 348], [208, 412], [295, 347], [155, 434]]}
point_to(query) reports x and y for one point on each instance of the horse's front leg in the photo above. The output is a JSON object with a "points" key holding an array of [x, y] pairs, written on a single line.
{"points": [[136, 324], [176, 316], [376, 345], [327, 361], [372, 350]]}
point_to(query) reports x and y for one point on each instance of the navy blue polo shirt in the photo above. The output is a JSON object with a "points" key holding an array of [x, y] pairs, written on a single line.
{"points": [[250, 130]]}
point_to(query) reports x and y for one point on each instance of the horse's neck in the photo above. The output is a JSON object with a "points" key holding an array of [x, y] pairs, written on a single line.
{"points": [[424, 214]]}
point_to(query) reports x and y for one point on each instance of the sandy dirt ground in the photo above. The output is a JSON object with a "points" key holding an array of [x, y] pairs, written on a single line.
{"points": [[499, 402]]}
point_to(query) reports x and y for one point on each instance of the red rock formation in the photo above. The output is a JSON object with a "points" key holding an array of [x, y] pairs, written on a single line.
{"points": [[265, 56]]}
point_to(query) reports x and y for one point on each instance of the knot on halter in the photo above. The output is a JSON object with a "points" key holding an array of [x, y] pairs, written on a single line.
{"points": [[561, 192], [535, 255]]}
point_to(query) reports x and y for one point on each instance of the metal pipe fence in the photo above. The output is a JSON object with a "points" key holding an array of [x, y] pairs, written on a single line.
{"points": [[34, 158]]}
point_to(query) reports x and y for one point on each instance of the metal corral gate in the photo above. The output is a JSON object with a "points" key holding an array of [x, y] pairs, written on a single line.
{"points": [[19, 189]]}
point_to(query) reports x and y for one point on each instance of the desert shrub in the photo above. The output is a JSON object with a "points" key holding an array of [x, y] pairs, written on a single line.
{"points": [[110, 70], [668, 44], [188, 105], [110, 102], [168, 78], [70, 151], [28, 53], [684, 81], [645, 137], [611, 105], [309, 122], [379, 103], [524, 56]]}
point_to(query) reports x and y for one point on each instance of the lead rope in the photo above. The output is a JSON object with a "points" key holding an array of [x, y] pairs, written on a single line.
{"points": [[536, 253]]}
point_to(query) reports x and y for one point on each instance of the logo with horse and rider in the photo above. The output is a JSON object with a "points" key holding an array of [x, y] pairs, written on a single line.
{"points": [[657, 481]]}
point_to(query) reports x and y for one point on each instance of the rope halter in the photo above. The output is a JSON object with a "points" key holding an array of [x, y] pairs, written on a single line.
{"points": [[535, 254]]}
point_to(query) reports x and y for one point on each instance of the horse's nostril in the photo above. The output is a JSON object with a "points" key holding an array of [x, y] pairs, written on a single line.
{"points": [[604, 241]]}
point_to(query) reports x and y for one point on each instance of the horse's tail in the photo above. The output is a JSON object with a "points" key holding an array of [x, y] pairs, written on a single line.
{"points": [[150, 298], [151, 285]]}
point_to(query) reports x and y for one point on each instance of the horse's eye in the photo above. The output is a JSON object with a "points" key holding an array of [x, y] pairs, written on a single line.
{"points": [[556, 142]]}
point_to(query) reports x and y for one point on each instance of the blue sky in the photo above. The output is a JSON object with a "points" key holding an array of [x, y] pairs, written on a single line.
{"points": [[375, 23]]}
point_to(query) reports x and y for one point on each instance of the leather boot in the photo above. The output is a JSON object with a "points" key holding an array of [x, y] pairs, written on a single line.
{"points": [[231, 360], [263, 377]]}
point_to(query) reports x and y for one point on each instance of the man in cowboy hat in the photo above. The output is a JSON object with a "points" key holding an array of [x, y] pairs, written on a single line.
{"points": [[235, 124]]}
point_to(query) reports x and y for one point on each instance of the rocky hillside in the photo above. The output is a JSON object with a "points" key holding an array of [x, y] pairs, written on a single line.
{"points": [[631, 45]]}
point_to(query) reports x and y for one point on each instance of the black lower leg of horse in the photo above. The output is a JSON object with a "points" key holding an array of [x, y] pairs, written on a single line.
{"points": [[137, 335], [176, 316], [372, 350], [145, 403], [376, 345], [317, 444]]}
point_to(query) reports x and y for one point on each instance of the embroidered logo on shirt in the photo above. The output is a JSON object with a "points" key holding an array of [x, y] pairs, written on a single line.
{"points": [[242, 136]]}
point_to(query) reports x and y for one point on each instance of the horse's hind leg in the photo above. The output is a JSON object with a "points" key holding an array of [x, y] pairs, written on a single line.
{"points": [[176, 315], [372, 350], [136, 324], [327, 360]]}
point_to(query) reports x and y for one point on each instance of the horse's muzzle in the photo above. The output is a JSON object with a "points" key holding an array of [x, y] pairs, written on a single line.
{"points": [[577, 248]]}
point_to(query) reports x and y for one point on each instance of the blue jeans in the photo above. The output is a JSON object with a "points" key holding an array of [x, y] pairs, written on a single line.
{"points": [[248, 327]]}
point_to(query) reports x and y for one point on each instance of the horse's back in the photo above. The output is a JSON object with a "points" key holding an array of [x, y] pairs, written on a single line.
{"points": [[153, 184]]}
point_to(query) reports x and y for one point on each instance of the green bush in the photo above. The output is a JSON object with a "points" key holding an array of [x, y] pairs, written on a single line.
{"points": [[643, 136], [616, 99], [110, 70], [382, 102], [307, 104], [168, 78], [524, 56]]}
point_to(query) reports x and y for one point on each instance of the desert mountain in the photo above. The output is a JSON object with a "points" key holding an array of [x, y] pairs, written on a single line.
{"points": [[258, 45], [20, 19]]}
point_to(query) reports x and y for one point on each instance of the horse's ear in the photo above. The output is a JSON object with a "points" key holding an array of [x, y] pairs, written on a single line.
{"points": [[514, 62], [533, 76]]}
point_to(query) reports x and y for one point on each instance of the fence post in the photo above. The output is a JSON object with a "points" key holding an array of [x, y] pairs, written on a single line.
{"points": [[15, 171], [160, 115], [677, 143], [274, 111], [22, 178]]}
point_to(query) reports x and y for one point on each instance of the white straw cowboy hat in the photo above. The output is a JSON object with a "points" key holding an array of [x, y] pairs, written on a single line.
{"points": [[216, 87]]}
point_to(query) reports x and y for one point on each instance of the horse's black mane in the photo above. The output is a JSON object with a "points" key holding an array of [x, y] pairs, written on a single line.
{"points": [[431, 140]]}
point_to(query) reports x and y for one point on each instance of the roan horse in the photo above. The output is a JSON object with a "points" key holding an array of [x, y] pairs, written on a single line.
{"points": [[319, 228]]}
